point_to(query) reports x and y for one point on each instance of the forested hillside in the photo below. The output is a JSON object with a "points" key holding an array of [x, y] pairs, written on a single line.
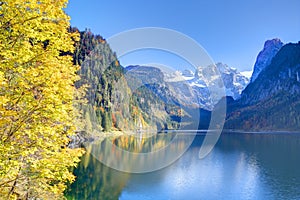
{"points": [[113, 102], [99, 72]]}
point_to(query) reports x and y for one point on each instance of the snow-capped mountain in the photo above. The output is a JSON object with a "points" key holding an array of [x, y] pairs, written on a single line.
{"points": [[233, 80], [203, 86], [264, 58], [247, 74]]}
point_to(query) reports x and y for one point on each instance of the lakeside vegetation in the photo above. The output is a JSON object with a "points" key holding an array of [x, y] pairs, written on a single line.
{"points": [[37, 90]]}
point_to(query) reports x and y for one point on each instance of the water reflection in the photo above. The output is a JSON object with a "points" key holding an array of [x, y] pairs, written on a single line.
{"points": [[275, 157], [241, 166], [136, 155], [96, 181]]}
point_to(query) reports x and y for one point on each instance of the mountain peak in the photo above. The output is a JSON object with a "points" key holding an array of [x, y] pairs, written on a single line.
{"points": [[273, 42], [272, 101], [264, 58]]}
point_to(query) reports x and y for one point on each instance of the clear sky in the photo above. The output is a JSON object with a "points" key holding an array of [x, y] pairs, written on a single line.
{"points": [[231, 31]]}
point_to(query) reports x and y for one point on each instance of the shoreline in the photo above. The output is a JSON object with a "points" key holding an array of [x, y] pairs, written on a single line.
{"points": [[78, 139], [228, 131]]}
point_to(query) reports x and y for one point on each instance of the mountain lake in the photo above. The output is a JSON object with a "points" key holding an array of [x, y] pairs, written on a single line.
{"points": [[240, 166]]}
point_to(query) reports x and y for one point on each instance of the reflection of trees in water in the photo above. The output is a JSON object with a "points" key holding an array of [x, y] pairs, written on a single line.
{"points": [[143, 144], [275, 156], [135, 154], [97, 181]]}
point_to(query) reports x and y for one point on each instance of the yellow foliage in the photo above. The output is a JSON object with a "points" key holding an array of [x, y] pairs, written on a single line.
{"points": [[36, 104]]}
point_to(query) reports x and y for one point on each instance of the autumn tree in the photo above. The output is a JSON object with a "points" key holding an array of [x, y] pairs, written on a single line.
{"points": [[36, 105]]}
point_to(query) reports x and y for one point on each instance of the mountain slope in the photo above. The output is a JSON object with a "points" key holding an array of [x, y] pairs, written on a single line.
{"points": [[264, 58], [108, 101], [159, 107], [272, 100], [115, 99]]}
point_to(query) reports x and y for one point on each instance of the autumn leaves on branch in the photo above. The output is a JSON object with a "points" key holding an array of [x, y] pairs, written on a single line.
{"points": [[36, 104]]}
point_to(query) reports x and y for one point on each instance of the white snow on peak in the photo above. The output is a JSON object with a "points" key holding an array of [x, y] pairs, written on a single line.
{"points": [[247, 74]]}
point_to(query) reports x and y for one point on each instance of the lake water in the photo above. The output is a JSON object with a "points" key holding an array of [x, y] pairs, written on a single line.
{"points": [[241, 166]]}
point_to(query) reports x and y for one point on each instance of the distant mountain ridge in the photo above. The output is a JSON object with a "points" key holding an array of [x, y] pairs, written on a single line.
{"points": [[191, 87]]}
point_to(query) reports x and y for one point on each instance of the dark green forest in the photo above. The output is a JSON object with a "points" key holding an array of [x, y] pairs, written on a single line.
{"points": [[111, 103]]}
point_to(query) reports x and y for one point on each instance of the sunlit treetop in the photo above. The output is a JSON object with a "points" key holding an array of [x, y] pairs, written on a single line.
{"points": [[36, 104]]}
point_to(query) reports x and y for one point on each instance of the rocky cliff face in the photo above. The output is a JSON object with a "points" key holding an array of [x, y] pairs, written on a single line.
{"points": [[282, 74], [272, 100], [233, 80], [265, 57]]}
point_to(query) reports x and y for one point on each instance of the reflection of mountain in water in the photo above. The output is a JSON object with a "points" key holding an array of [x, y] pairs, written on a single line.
{"points": [[248, 166], [132, 154], [97, 181]]}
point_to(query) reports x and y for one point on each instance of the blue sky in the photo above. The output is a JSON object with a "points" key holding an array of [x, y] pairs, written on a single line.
{"points": [[231, 31]]}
